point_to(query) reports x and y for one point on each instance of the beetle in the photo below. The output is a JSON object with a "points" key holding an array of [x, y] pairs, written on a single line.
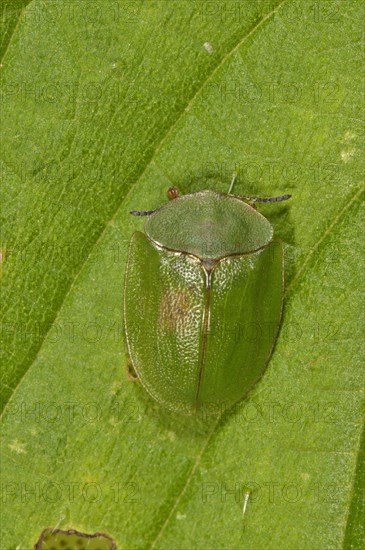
{"points": [[203, 299]]}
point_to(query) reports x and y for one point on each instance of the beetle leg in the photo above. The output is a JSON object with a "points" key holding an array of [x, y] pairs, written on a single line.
{"points": [[131, 373], [142, 212]]}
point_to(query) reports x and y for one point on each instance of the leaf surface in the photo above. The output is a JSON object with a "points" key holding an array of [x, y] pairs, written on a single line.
{"points": [[104, 106]]}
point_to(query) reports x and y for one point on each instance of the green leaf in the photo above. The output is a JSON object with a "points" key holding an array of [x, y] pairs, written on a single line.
{"points": [[104, 105]]}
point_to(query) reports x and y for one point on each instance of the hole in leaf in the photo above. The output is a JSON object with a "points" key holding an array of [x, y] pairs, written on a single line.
{"points": [[57, 539]]}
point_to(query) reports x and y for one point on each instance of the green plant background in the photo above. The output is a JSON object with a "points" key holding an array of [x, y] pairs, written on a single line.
{"points": [[103, 107]]}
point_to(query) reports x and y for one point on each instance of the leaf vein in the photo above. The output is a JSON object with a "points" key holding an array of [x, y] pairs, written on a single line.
{"points": [[327, 232], [15, 28]]}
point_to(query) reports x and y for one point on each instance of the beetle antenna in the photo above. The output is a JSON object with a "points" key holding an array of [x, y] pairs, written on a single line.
{"points": [[232, 182], [256, 199], [268, 199], [142, 212]]}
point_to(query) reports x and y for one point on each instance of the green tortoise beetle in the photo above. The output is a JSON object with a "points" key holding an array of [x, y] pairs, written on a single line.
{"points": [[202, 300]]}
